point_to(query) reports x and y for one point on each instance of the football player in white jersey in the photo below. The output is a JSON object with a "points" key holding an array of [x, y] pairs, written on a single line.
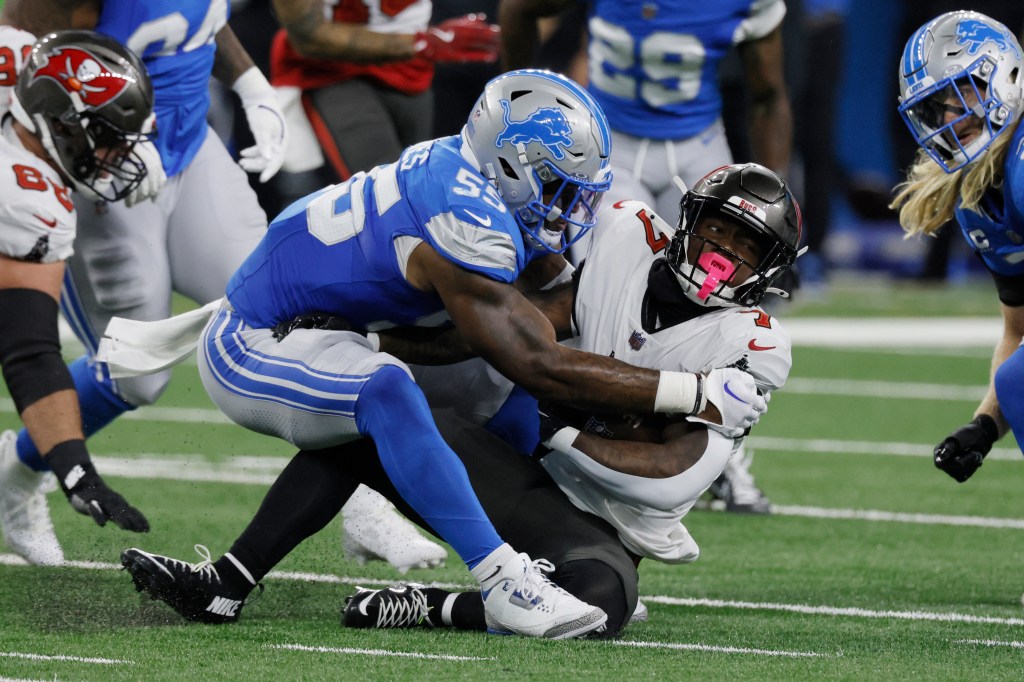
{"points": [[79, 107], [654, 69], [618, 485]]}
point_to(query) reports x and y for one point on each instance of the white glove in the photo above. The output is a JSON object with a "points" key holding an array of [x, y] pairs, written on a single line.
{"points": [[155, 176], [734, 393], [266, 121]]}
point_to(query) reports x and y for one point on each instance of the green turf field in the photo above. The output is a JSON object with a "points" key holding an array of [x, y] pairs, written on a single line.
{"points": [[874, 566]]}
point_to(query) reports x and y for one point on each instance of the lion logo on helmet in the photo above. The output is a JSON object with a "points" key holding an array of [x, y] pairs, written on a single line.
{"points": [[546, 125], [81, 73], [975, 34]]}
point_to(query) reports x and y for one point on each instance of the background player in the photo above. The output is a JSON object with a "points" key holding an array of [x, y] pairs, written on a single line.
{"points": [[961, 78], [81, 105]]}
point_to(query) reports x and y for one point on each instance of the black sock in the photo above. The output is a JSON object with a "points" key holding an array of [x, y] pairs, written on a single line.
{"points": [[308, 493], [466, 609]]}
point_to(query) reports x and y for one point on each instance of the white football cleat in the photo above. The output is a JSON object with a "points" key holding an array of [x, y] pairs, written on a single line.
{"points": [[640, 613], [375, 530], [736, 490], [520, 600], [24, 513]]}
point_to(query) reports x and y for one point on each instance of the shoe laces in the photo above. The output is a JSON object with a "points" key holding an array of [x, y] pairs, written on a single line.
{"points": [[397, 610], [204, 569], [533, 583]]}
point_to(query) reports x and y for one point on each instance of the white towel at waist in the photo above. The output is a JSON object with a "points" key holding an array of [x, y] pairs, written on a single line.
{"points": [[132, 348]]}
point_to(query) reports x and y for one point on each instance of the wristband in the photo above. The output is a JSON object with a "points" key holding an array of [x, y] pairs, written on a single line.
{"points": [[70, 462], [680, 392], [252, 84], [563, 439]]}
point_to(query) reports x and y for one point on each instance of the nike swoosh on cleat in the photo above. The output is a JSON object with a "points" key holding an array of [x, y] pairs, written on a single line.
{"points": [[725, 387], [362, 607], [753, 346], [485, 221]]}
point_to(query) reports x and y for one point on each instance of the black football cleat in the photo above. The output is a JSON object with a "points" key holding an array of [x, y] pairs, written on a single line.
{"points": [[403, 606], [193, 590]]}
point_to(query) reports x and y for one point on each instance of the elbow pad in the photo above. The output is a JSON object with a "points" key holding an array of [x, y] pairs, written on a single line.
{"points": [[30, 347]]}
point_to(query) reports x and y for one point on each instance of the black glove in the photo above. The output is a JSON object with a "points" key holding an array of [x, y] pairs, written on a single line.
{"points": [[87, 492], [961, 453]]}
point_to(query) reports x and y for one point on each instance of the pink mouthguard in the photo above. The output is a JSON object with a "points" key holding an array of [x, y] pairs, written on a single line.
{"points": [[719, 269]]}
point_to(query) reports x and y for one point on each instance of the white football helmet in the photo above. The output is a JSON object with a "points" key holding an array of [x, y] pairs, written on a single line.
{"points": [[544, 143], [961, 80]]}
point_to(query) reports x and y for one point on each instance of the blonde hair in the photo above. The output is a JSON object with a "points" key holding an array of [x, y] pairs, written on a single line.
{"points": [[926, 199]]}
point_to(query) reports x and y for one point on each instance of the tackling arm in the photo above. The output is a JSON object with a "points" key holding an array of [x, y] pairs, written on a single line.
{"points": [[771, 118]]}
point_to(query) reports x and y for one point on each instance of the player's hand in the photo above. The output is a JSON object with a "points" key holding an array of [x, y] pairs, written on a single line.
{"points": [[962, 452], [735, 396], [467, 38], [89, 494], [155, 176], [266, 121]]}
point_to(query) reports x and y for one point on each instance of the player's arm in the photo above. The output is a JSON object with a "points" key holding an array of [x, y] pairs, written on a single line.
{"points": [[519, 32], [314, 36], [771, 118], [43, 392], [505, 329], [961, 452], [40, 17]]}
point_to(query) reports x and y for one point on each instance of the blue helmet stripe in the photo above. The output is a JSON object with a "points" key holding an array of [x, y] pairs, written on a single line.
{"points": [[913, 56]]}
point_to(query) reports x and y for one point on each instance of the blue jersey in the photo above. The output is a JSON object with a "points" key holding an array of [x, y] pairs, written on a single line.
{"points": [[343, 249], [175, 39], [996, 233], [654, 66]]}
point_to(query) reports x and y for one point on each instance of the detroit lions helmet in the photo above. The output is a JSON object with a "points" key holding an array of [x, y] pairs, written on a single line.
{"points": [[90, 101], [544, 143], [761, 203], [960, 86]]}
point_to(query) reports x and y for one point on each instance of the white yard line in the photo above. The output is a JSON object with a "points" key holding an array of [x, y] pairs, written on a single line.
{"points": [[990, 642], [832, 611], [894, 332], [70, 659], [863, 447], [374, 652], [724, 649]]}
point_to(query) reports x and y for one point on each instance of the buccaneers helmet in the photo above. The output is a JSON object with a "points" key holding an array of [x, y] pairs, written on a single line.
{"points": [[90, 101]]}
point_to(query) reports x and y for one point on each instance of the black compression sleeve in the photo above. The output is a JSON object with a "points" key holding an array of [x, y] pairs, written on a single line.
{"points": [[30, 347], [1010, 288]]}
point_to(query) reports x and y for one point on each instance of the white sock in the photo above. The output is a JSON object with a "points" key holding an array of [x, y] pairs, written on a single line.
{"points": [[489, 571]]}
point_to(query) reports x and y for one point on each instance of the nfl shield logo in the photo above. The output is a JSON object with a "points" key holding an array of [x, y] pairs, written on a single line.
{"points": [[637, 340]]}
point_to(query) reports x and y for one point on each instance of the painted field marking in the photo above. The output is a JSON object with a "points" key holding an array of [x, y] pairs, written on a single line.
{"points": [[375, 652], [863, 447], [71, 659], [724, 649], [990, 642], [14, 560]]}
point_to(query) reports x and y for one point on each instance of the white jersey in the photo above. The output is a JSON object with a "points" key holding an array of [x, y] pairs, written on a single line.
{"points": [[14, 47], [608, 316], [37, 217]]}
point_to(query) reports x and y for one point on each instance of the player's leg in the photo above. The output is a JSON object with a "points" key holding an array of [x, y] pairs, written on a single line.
{"points": [[215, 228], [521, 499], [690, 159], [355, 126], [119, 268], [293, 389]]}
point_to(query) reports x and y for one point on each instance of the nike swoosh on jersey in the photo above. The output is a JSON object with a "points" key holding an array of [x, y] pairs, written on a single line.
{"points": [[49, 223], [753, 346], [485, 221], [446, 36], [725, 387]]}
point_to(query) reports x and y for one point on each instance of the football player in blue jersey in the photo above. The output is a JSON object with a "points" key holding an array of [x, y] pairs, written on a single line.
{"points": [[188, 235], [440, 235], [191, 237], [653, 68], [962, 96]]}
